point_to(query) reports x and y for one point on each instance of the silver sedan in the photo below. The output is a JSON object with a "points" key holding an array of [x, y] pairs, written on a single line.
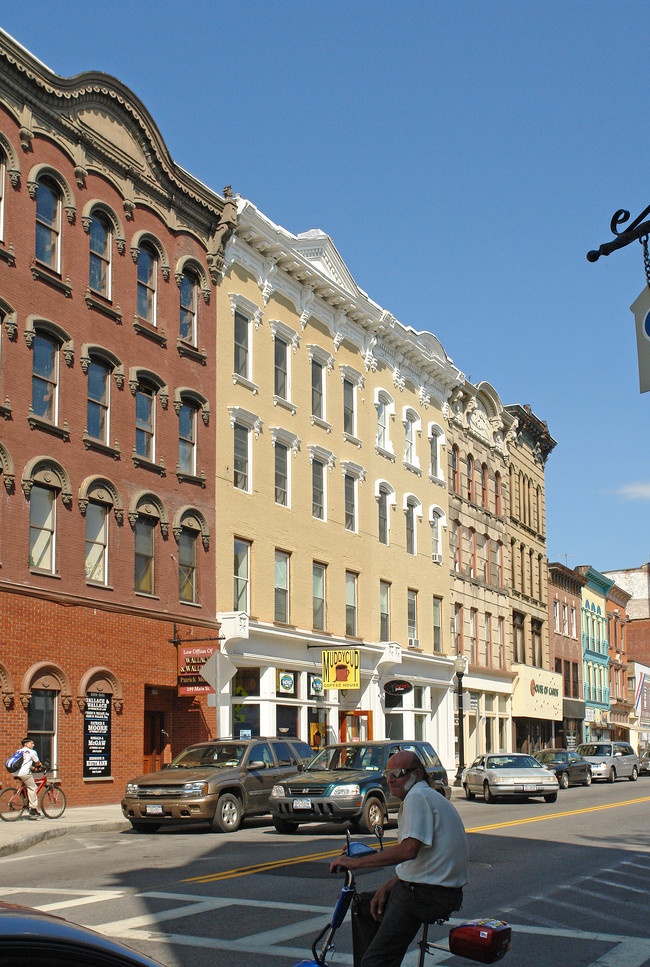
{"points": [[509, 774]]}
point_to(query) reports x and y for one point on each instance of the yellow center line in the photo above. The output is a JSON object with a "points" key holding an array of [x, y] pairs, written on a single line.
{"points": [[290, 861]]}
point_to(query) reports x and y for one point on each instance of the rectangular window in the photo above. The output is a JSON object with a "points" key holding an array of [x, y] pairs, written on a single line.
{"points": [[410, 529], [318, 596], [97, 416], [472, 552], [281, 383], [144, 555], [567, 678], [351, 603], [41, 724], [241, 340], [317, 389], [97, 543], [536, 634], [318, 490], [412, 613], [349, 409], [565, 620], [350, 503], [573, 623], [488, 640], [146, 286], [437, 625], [499, 653], [383, 438], [472, 652], [458, 628], [500, 563], [556, 615], [100, 256], [48, 225], [282, 587], [145, 423], [187, 439], [241, 458], [574, 680], [281, 474], [45, 377], [384, 611], [518, 637], [187, 566], [242, 558], [42, 530], [455, 545], [382, 503], [485, 558]]}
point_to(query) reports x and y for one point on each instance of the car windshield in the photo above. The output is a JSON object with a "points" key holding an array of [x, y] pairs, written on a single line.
{"points": [[551, 756], [342, 757], [594, 749], [220, 755], [511, 762]]}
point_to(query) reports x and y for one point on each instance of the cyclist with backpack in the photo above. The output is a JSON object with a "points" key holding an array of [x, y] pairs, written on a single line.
{"points": [[22, 768]]}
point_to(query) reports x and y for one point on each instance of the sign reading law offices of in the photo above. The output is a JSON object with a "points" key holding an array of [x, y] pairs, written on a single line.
{"points": [[191, 659], [537, 693]]}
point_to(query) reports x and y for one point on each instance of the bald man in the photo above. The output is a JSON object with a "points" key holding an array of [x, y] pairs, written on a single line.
{"points": [[431, 858]]}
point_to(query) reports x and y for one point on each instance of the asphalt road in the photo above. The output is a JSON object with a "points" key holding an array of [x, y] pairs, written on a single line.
{"points": [[572, 878]]}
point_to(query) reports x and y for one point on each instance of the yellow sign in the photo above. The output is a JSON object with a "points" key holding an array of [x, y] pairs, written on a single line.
{"points": [[342, 668]]}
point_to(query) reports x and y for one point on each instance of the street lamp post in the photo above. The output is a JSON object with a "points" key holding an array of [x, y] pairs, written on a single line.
{"points": [[460, 667]]}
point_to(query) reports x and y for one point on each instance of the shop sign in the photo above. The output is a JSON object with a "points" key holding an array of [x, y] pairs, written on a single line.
{"points": [[590, 714], [316, 689], [191, 659], [398, 687], [286, 683], [342, 668], [97, 736], [537, 693]]}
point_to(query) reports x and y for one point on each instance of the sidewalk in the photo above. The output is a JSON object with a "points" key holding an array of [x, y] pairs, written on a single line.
{"points": [[24, 833]]}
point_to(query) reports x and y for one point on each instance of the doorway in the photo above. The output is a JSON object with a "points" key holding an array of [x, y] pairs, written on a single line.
{"points": [[355, 726], [154, 741]]}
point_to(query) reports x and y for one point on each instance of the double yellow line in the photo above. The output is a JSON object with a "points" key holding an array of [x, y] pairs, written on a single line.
{"points": [[276, 864]]}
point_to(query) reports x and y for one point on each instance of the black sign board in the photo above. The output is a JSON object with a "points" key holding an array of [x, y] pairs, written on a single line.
{"points": [[97, 736], [397, 687]]}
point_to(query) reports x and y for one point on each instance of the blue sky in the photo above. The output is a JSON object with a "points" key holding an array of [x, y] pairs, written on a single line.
{"points": [[464, 157]]}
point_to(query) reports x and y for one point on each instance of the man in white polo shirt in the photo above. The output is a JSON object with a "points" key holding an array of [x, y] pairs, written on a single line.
{"points": [[431, 856], [30, 759]]}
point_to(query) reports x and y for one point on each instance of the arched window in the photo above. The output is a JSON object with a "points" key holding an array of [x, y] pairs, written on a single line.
{"points": [[436, 442], [470, 477], [48, 223], [455, 481], [497, 495], [45, 376], [189, 288], [189, 525], [146, 512], [97, 496], [485, 500], [145, 421], [99, 398], [100, 254], [412, 510], [472, 552], [187, 434], [455, 545], [383, 437], [437, 519], [43, 482], [147, 274]]}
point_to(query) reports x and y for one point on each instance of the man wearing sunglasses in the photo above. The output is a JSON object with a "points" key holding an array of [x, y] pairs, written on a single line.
{"points": [[431, 858]]}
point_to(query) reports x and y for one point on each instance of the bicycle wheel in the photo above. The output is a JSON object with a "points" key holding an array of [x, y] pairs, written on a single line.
{"points": [[12, 804], [53, 802]]}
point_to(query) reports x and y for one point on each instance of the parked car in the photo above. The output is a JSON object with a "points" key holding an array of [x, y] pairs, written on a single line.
{"points": [[31, 938], [644, 763], [569, 767], [509, 774], [611, 760], [345, 782], [216, 782]]}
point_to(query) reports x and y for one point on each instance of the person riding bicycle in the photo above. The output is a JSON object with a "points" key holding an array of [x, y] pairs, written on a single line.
{"points": [[431, 856], [30, 759]]}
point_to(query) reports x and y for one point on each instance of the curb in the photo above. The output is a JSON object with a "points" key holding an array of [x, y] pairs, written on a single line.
{"points": [[41, 835]]}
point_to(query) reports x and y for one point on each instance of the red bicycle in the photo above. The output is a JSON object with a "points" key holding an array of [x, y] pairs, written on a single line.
{"points": [[14, 800]]}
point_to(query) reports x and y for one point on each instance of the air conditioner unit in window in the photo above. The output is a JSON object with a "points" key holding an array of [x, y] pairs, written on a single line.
{"points": [[414, 642], [436, 558]]}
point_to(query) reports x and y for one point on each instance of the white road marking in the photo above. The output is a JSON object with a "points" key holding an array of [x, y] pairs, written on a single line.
{"points": [[81, 901]]}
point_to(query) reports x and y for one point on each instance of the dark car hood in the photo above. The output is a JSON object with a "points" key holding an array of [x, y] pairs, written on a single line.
{"points": [[174, 777], [324, 777]]}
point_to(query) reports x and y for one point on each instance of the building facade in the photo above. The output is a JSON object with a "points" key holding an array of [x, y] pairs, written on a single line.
{"points": [[595, 653], [620, 702], [565, 644], [537, 698], [638, 683], [109, 260]]}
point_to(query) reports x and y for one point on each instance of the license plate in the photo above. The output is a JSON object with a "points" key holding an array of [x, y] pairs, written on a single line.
{"points": [[530, 788], [302, 804], [154, 810]]}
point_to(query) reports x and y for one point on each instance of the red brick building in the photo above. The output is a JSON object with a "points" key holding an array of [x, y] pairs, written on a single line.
{"points": [[565, 645], [109, 258]]}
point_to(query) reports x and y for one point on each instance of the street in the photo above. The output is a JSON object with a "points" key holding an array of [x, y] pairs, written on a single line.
{"points": [[572, 878]]}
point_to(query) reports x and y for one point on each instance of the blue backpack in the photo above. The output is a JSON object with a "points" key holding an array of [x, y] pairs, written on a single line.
{"points": [[14, 762]]}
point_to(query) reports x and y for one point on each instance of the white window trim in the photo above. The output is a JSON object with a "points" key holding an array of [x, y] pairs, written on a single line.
{"points": [[435, 430], [326, 459], [409, 415], [319, 355], [280, 435], [383, 396], [354, 470], [251, 420], [441, 522], [391, 499], [320, 453]]}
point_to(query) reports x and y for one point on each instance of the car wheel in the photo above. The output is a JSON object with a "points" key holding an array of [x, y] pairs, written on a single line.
{"points": [[373, 814], [635, 774], [588, 779], [468, 792], [487, 792], [612, 775], [551, 797], [144, 827], [284, 825], [564, 780], [228, 814]]}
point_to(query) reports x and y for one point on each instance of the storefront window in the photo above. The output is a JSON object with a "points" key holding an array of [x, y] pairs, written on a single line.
{"points": [[41, 724], [245, 721], [420, 727], [287, 720], [246, 682], [394, 727]]}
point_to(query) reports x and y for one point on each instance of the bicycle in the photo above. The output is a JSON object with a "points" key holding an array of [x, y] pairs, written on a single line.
{"points": [[485, 941], [14, 800]]}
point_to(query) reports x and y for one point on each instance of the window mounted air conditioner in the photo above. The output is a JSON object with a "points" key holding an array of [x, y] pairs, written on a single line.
{"points": [[436, 558], [414, 642]]}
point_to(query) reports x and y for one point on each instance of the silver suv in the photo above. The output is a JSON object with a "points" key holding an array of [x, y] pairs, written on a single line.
{"points": [[216, 782], [611, 760]]}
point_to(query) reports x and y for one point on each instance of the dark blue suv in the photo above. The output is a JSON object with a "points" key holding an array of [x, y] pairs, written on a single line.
{"points": [[346, 783]]}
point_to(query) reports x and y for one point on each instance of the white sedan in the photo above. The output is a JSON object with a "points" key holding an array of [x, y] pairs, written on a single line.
{"points": [[509, 774]]}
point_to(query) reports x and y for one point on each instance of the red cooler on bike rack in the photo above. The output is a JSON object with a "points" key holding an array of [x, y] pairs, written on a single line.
{"points": [[484, 940]]}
